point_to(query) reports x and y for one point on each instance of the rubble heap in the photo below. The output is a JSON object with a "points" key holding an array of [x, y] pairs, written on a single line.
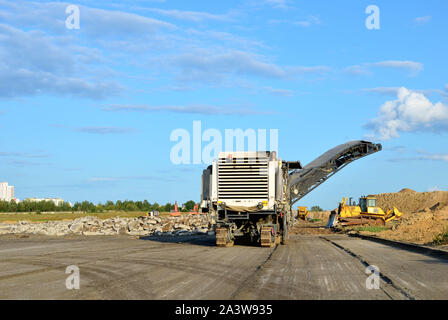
{"points": [[141, 226]]}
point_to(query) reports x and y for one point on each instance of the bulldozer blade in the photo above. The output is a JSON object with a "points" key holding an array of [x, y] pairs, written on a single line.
{"points": [[392, 214], [332, 220], [397, 212]]}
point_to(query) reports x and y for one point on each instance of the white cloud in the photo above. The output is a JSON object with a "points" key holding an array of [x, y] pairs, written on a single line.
{"points": [[23, 154], [421, 155], [81, 63], [388, 91], [230, 39], [436, 157], [357, 70], [106, 22], [33, 62], [194, 16], [137, 177], [397, 149], [51, 16], [422, 20], [393, 91], [300, 70], [364, 69], [313, 20], [105, 130], [214, 66], [279, 92], [277, 3], [412, 66], [96, 179], [410, 112], [190, 109]]}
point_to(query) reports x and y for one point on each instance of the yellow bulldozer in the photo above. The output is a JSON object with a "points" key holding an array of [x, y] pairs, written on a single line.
{"points": [[366, 212], [302, 213]]}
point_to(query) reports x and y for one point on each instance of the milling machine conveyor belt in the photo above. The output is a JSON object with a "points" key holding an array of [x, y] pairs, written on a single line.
{"points": [[318, 171]]}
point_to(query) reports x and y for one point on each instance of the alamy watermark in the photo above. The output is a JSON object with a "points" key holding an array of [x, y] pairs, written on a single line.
{"points": [[72, 281], [73, 20], [373, 20], [373, 280], [189, 148]]}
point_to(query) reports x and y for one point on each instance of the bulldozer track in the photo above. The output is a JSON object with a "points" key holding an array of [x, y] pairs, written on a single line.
{"points": [[267, 238], [372, 221], [222, 239]]}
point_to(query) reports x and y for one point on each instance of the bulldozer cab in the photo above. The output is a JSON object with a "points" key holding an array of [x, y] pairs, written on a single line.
{"points": [[367, 202]]}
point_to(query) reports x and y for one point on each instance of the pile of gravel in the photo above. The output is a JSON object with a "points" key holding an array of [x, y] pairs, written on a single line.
{"points": [[141, 226]]}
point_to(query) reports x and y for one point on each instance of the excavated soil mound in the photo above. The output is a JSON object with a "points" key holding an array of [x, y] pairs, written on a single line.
{"points": [[409, 201], [425, 215], [312, 227], [321, 215], [419, 227]]}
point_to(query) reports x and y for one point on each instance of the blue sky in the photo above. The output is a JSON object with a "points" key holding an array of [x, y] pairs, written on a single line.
{"points": [[86, 114]]}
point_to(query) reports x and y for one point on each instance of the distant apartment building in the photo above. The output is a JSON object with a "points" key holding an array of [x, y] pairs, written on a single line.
{"points": [[56, 201], [6, 192]]}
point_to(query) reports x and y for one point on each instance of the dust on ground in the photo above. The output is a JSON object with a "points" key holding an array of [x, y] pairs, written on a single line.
{"points": [[315, 224], [425, 215]]}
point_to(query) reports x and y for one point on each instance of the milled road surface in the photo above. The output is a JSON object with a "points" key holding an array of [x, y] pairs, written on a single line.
{"points": [[310, 267]]}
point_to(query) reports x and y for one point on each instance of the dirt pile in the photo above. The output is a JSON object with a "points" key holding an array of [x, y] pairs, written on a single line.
{"points": [[410, 201], [425, 215], [419, 227], [321, 215], [310, 227]]}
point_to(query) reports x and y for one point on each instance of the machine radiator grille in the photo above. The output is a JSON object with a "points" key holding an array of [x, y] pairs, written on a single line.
{"points": [[244, 177]]}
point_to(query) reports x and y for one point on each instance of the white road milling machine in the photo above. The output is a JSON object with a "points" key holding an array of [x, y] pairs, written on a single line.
{"points": [[250, 194]]}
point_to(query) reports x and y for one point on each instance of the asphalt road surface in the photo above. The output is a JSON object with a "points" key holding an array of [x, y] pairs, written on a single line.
{"points": [[310, 267]]}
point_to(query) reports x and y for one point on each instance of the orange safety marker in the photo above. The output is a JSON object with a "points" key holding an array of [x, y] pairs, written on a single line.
{"points": [[175, 213]]}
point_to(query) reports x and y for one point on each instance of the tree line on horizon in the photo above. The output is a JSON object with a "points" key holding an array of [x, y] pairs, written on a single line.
{"points": [[87, 206]]}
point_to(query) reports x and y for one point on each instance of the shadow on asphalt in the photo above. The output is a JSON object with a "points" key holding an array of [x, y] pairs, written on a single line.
{"points": [[439, 261], [200, 240]]}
